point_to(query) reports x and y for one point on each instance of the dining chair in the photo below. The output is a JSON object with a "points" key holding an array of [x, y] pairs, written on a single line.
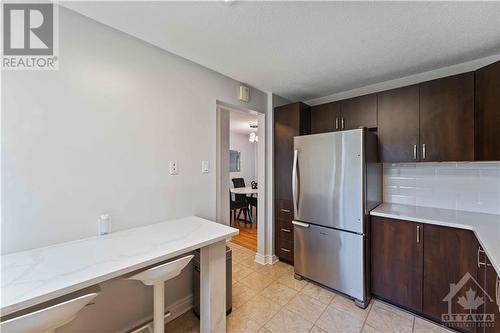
{"points": [[47, 319], [239, 203], [252, 202], [242, 200], [156, 277], [238, 182]]}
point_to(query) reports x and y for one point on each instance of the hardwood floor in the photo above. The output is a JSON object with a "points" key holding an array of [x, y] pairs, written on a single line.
{"points": [[248, 232]]}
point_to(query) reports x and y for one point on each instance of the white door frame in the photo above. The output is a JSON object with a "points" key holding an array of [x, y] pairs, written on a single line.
{"points": [[222, 178]]}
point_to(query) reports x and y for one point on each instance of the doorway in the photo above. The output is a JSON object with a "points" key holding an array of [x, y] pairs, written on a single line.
{"points": [[241, 174]]}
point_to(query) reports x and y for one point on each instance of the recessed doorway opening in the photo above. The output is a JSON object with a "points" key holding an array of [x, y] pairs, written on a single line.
{"points": [[241, 174]]}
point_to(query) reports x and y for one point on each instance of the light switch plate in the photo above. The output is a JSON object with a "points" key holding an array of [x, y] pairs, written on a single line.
{"points": [[174, 168], [204, 166]]}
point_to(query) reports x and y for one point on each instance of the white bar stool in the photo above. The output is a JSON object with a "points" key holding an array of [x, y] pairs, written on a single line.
{"points": [[156, 277], [48, 319]]}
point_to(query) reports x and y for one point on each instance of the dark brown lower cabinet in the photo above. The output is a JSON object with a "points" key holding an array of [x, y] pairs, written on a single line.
{"points": [[433, 271], [284, 230], [491, 282], [284, 246], [450, 257], [396, 260]]}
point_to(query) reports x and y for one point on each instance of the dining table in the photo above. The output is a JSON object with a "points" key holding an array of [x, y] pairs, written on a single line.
{"points": [[244, 190]]}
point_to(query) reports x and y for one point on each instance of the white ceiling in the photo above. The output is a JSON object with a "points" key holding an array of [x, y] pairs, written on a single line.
{"points": [[305, 50], [239, 122]]}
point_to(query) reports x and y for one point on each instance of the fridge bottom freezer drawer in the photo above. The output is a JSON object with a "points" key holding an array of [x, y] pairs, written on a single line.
{"points": [[330, 257]]}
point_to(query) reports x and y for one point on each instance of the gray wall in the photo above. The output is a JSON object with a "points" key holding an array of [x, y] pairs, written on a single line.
{"points": [[96, 136], [248, 157]]}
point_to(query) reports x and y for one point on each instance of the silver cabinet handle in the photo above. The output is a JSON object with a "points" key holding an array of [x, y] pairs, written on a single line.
{"points": [[300, 224], [285, 210], [423, 151], [418, 234], [479, 263], [414, 152], [337, 123], [285, 250], [285, 230], [295, 176], [343, 123]]}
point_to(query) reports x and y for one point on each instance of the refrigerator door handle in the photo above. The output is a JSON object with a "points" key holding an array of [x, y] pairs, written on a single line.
{"points": [[300, 224], [295, 176]]}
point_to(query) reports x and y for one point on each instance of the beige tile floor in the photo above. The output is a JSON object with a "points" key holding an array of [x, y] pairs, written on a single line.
{"points": [[269, 299]]}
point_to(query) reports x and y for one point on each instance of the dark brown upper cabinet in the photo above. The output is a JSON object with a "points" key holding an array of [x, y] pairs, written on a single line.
{"points": [[398, 124], [487, 113], [456, 118], [359, 112], [447, 119], [325, 118], [289, 120]]}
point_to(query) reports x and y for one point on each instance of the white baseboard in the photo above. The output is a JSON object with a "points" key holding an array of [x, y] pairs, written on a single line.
{"points": [[176, 309], [272, 259], [269, 259], [260, 259], [180, 307]]}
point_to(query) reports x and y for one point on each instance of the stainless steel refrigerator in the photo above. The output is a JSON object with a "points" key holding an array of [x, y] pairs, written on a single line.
{"points": [[336, 181]]}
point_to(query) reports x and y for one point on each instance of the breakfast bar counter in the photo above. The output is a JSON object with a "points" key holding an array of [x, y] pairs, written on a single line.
{"points": [[35, 276]]}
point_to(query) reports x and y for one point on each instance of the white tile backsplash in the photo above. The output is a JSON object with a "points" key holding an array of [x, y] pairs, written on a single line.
{"points": [[469, 186]]}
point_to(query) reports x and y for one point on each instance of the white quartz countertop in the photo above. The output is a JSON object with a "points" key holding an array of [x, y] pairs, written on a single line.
{"points": [[485, 226], [35, 276]]}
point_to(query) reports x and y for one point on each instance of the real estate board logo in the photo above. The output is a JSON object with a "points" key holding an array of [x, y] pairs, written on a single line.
{"points": [[466, 300], [29, 36]]}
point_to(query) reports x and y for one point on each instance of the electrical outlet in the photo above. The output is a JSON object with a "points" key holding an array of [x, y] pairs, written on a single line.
{"points": [[174, 168], [204, 167]]}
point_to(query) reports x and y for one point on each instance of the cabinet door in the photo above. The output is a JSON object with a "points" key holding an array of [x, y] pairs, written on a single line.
{"points": [[398, 124], [325, 118], [449, 254], [396, 262], [289, 120], [487, 112], [284, 230], [359, 111], [447, 119], [491, 284]]}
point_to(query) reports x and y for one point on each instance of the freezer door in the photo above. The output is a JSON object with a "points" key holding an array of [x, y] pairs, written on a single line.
{"points": [[331, 257], [327, 179]]}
